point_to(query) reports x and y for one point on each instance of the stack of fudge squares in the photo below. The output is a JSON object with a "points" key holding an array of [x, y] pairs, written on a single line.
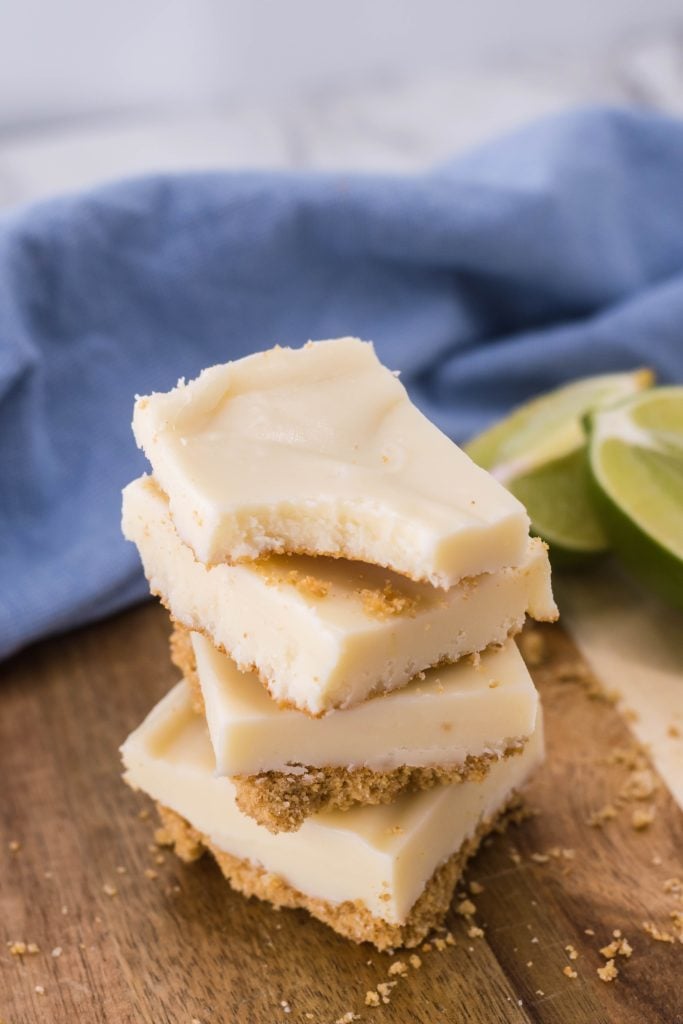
{"points": [[344, 585]]}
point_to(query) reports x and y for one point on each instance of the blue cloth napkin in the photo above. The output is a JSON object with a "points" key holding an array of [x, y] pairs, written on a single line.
{"points": [[555, 252]]}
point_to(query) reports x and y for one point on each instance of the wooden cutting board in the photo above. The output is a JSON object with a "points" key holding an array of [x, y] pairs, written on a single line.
{"points": [[174, 944]]}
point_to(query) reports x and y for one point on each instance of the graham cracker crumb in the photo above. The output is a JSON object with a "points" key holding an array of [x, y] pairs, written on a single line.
{"points": [[673, 885], [18, 948], [151, 874], [439, 944], [398, 967], [426, 947], [466, 908], [39, 990], [588, 931], [571, 952], [540, 858], [642, 818], [14, 846], [384, 988], [476, 888], [450, 939], [387, 602], [109, 890], [658, 934], [569, 972], [598, 818], [474, 932], [609, 972], [415, 961], [308, 584], [674, 731], [56, 952], [162, 837], [639, 785], [372, 998]]}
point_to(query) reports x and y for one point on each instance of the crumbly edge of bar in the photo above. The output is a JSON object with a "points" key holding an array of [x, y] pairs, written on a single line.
{"points": [[375, 694], [281, 801], [352, 919], [336, 555], [281, 550]]}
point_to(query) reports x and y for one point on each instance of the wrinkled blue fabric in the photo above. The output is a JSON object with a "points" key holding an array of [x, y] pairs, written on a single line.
{"points": [[552, 253]]}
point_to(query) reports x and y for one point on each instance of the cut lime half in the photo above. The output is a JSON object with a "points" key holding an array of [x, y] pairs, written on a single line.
{"points": [[539, 453], [636, 461]]}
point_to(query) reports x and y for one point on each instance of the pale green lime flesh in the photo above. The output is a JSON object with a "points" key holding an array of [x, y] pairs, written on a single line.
{"points": [[539, 453], [558, 499], [636, 460], [550, 426], [648, 487]]}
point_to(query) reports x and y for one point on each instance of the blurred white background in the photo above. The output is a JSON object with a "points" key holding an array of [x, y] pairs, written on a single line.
{"points": [[92, 91]]}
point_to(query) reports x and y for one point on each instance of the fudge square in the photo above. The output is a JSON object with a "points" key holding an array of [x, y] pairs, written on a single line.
{"points": [[382, 874], [451, 723], [324, 633], [319, 451]]}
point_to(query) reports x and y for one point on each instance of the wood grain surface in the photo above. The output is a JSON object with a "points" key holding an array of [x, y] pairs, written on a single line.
{"points": [[146, 939]]}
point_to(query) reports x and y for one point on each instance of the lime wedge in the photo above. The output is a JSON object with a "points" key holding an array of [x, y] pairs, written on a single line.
{"points": [[636, 461], [539, 453]]}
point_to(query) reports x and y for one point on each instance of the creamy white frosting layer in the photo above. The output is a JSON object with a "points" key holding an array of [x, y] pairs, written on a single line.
{"points": [[454, 712], [325, 633], [320, 450], [382, 855]]}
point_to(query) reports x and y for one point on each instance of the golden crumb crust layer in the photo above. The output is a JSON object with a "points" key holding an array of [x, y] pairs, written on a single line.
{"points": [[352, 919], [281, 801]]}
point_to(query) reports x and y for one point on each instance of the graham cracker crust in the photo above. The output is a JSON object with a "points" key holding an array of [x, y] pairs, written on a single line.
{"points": [[281, 801], [352, 919]]}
